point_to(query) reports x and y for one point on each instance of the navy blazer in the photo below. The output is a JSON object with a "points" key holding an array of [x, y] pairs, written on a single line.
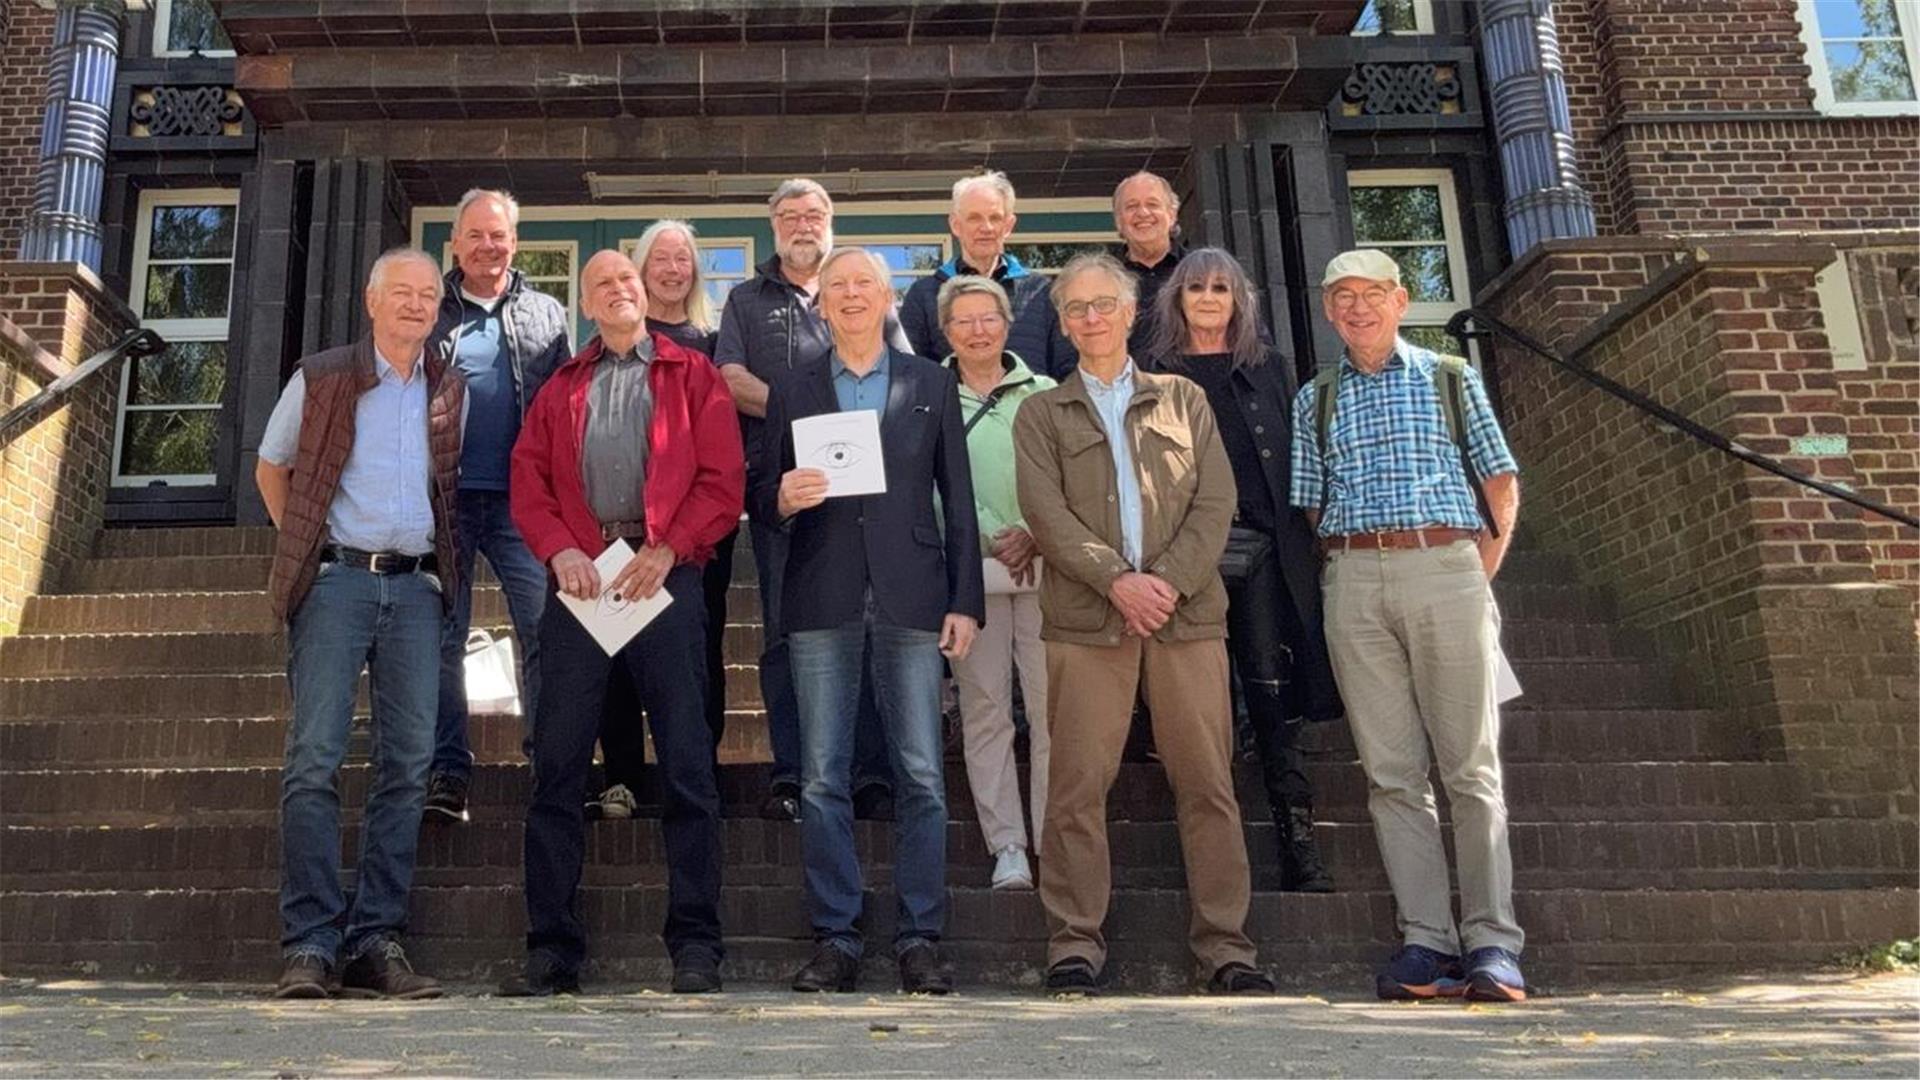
{"points": [[892, 542]]}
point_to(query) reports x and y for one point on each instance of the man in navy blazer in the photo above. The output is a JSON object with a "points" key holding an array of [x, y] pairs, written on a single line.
{"points": [[879, 576]]}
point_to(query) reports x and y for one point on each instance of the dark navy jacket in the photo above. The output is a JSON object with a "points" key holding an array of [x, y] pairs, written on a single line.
{"points": [[1034, 336], [893, 543]]}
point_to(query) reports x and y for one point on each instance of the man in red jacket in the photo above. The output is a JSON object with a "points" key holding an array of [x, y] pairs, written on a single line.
{"points": [[634, 439]]}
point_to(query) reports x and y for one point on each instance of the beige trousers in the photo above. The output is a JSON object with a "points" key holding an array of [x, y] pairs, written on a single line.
{"points": [[1089, 710], [1415, 639], [1010, 635]]}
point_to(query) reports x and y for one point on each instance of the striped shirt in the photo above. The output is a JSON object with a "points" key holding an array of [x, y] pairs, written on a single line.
{"points": [[1393, 465]]}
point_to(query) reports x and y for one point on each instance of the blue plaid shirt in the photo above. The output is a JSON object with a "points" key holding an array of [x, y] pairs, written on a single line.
{"points": [[1394, 466]]}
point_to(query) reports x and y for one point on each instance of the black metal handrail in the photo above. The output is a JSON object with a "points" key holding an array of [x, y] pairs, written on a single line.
{"points": [[142, 342], [1457, 326]]}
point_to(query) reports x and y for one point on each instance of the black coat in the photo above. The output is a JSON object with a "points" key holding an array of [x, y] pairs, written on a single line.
{"points": [[1034, 337], [892, 542]]}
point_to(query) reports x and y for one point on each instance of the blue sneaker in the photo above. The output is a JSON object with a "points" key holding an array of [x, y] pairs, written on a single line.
{"points": [[1417, 973], [1493, 974]]}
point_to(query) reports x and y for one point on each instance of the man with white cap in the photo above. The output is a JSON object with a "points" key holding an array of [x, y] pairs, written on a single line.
{"points": [[1399, 462]]}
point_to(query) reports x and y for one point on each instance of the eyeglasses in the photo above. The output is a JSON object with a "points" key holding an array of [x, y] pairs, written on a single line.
{"points": [[789, 219], [1375, 297], [1099, 305], [978, 323]]}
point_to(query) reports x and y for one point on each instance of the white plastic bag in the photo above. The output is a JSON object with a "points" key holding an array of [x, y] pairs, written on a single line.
{"points": [[491, 685]]}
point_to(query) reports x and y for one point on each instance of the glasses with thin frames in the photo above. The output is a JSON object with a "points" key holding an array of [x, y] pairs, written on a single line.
{"points": [[977, 323], [1099, 305], [1375, 297]]}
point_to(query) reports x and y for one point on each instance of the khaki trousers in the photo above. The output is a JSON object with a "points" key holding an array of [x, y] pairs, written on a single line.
{"points": [[1089, 707], [1415, 640], [985, 678]]}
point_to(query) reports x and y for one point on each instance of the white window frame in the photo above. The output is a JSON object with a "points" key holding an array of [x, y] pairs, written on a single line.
{"points": [[1422, 21], [627, 246], [1102, 241], [162, 23], [571, 247], [1908, 12], [1429, 313], [173, 330]]}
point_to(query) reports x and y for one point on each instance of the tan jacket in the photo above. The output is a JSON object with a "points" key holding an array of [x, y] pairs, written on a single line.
{"points": [[1070, 499]]}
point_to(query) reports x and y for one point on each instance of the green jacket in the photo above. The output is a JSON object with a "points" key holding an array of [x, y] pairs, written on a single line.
{"points": [[990, 444]]}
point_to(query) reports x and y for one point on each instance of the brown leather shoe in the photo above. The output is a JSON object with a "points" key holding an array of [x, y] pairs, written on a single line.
{"points": [[306, 977], [383, 972]]}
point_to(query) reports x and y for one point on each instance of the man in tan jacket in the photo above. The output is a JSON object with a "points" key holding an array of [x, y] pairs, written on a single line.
{"points": [[1126, 487]]}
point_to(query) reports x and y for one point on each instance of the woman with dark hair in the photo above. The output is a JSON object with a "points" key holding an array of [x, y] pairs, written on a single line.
{"points": [[1207, 328]]}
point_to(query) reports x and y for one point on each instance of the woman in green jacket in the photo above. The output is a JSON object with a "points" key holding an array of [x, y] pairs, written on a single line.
{"points": [[975, 315]]}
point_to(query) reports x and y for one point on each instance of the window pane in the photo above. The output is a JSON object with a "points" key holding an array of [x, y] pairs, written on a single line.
{"points": [[1856, 18], [717, 290], [192, 232], [1425, 273], [1432, 337], [1050, 256], [168, 443], [724, 260], [927, 257], [193, 26], [561, 290], [188, 291], [187, 372], [546, 263], [1390, 15], [1869, 71], [1386, 214]]}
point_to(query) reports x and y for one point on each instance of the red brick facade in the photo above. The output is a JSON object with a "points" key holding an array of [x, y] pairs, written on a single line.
{"points": [[26, 36], [1698, 116]]}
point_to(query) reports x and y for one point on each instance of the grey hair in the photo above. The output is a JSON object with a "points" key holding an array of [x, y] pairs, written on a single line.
{"points": [[1090, 263], [1173, 200], [971, 285], [377, 275], [475, 195], [993, 180], [795, 188], [1243, 326], [699, 312], [879, 264]]}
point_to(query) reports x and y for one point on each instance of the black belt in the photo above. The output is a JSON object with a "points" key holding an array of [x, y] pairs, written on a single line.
{"points": [[380, 562]]}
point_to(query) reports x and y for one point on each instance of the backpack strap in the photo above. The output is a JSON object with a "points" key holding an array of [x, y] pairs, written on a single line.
{"points": [[1451, 375], [985, 408], [1326, 395]]}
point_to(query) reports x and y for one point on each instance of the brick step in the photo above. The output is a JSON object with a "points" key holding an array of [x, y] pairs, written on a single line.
{"points": [[475, 933], [252, 651], [1703, 791], [1601, 855], [1620, 684], [187, 742]]}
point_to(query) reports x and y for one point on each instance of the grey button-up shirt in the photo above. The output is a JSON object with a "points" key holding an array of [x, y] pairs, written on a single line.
{"points": [[613, 455]]}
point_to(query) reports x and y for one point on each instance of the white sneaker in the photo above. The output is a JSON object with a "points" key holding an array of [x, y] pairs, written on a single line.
{"points": [[1010, 869], [617, 803]]}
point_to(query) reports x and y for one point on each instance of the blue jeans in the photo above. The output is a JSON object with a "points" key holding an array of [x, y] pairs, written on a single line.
{"points": [[388, 624], [870, 766], [486, 528], [905, 667]]}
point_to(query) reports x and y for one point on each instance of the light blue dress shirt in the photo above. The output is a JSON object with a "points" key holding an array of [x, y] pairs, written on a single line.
{"points": [[1111, 401], [383, 501], [867, 391]]}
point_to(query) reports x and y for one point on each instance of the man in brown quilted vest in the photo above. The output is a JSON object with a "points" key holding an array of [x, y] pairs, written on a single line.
{"points": [[358, 469]]}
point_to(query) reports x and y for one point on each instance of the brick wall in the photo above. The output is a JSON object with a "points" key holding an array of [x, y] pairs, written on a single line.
{"points": [[1787, 608], [1882, 404], [54, 476], [1697, 116], [26, 36]]}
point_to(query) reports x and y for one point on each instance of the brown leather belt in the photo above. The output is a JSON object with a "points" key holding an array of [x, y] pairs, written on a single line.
{"points": [[1402, 540], [615, 530]]}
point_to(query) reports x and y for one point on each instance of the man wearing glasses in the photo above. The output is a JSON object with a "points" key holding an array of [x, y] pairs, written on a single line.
{"points": [[1411, 625]]}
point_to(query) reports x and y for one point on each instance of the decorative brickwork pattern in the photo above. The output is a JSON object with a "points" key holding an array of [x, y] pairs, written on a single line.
{"points": [[53, 477], [1775, 595], [26, 37]]}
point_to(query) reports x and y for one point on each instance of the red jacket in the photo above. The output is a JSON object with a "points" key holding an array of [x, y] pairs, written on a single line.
{"points": [[696, 469]]}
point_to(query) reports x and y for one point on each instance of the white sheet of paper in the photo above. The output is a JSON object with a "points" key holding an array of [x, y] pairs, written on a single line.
{"points": [[614, 622], [999, 580], [845, 446], [1506, 684]]}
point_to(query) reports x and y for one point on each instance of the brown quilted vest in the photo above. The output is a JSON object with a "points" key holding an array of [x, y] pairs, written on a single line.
{"points": [[335, 380]]}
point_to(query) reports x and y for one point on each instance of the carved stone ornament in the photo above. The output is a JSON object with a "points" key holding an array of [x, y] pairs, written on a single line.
{"points": [[162, 111], [1407, 89]]}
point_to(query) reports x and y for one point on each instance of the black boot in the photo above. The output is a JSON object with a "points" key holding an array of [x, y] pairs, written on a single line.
{"points": [[1300, 867]]}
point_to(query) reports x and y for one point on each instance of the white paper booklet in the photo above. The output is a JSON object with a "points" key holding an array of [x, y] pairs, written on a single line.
{"points": [[845, 446], [614, 620]]}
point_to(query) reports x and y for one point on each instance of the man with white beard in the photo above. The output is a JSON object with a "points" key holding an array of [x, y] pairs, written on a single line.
{"points": [[770, 326]]}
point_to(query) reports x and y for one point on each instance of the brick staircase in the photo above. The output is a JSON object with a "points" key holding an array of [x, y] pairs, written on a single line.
{"points": [[142, 712]]}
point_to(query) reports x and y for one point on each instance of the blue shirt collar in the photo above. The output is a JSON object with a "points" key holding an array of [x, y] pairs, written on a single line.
{"points": [[1405, 354], [880, 366], [382, 369], [1120, 381]]}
